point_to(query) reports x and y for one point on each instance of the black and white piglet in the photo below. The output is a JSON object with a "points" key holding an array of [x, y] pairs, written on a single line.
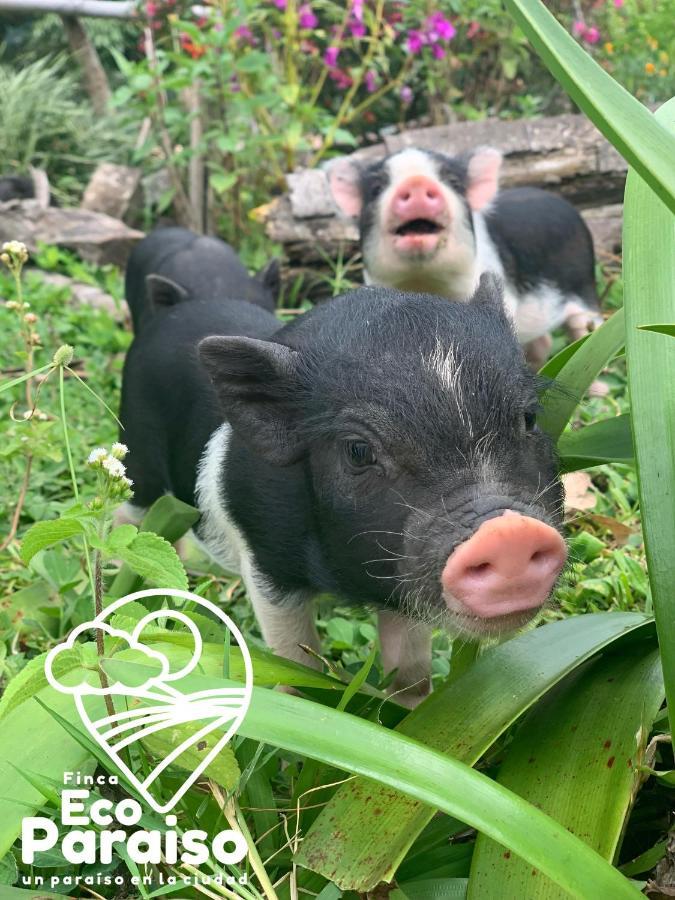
{"points": [[431, 222], [382, 447], [174, 264]]}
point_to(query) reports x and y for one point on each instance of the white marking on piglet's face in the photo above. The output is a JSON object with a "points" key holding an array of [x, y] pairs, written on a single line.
{"points": [[442, 363], [443, 262]]}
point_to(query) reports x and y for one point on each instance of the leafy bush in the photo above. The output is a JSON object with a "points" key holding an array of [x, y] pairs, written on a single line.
{"points": [[47, 123]]}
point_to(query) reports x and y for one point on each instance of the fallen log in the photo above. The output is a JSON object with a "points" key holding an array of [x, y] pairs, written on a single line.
{"points": [[96, 237]]}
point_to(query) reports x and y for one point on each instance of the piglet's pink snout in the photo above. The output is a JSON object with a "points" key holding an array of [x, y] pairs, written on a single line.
{"points": [[418, 197], [508, 565]]}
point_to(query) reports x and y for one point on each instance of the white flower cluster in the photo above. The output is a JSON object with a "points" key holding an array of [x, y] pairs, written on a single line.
{"points": [[14, 253], [111, 462]]}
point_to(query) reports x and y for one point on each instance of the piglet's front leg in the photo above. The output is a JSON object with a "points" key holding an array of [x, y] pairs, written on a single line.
{"points": [[406, 647]]}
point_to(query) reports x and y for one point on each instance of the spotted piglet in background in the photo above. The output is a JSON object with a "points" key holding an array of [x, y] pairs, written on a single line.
{"points": [[434, 223]]}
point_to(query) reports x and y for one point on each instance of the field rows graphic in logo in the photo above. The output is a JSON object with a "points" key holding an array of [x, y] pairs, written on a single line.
{"points": [[156, 704]]}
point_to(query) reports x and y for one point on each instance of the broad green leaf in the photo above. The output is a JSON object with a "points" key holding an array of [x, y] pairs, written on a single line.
{"points": [[431, 889], [578, 373], [642, 141], [577, 757], [155, 560], [168, 517], [9, 872], [434, 855], [32, 679], [29, 732], [44, 534], [660, 329], [646, 861], [609, 440], [119, 538], [351, 845], [649, 290], [223, 769], [346, 742]]}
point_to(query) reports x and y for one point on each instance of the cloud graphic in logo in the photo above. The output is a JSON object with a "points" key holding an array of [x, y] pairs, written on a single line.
{"points": [[88, 685]]}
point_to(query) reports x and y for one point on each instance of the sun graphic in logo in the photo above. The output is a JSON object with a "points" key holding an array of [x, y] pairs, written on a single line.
{"points": [[147, 704]]}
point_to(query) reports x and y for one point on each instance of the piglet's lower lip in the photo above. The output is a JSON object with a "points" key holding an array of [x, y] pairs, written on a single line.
{"points": [[416, 243]]}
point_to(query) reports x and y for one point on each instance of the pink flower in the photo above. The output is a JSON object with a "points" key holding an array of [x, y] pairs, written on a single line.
{"points": [[306, 18], [439, 52], [415, 41], [357, 10], [341, 78], [280, 4], [472, 30], [579, 28], [358, 29], [618, 3], [330, 57], [406, 94], [370, 81], [592, 35], [151, 9], [440, 28], [244, 34]]}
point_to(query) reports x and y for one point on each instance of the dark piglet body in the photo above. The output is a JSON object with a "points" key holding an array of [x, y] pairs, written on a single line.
{"points": [[173, 264], [16, 187], [381, 447], [431, 222]]}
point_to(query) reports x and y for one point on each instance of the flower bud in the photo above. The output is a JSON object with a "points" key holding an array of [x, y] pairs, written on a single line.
{"points": [[63, 356]]}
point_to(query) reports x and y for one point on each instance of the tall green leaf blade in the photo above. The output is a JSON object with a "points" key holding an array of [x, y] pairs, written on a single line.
{"points": [[29, 732], [578, 373], [609, 440], [642, 141], [363, 833], [660, 329], [355, 745], [649, 287], [576, 757]]}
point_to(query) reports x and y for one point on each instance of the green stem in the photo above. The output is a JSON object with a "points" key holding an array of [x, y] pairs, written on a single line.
{"points": [[73, 477]]}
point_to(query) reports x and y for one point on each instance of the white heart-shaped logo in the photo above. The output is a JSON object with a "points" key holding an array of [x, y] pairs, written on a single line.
{"points": [[156, 704]]}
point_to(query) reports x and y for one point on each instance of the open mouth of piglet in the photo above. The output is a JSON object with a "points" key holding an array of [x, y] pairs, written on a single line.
{"points": [[418, 226]]}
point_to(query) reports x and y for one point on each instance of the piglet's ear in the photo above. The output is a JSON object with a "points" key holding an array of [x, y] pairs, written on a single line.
{"points": [[256, 382], [490, 290], [269, 277], [344, 180], [483, 177], [163, 291]]}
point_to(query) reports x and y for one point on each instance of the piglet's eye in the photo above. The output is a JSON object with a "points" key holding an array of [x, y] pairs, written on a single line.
{"points": [[359, 453], [530, 419]]}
